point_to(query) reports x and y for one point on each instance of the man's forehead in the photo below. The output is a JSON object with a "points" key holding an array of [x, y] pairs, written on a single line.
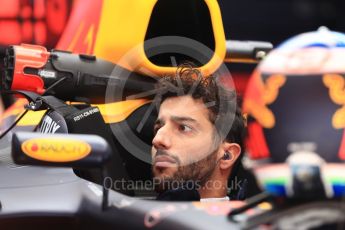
{"points": [[183, 106]]}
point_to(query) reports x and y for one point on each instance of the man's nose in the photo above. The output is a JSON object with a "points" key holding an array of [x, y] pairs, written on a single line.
{"points": [[162, 139]]}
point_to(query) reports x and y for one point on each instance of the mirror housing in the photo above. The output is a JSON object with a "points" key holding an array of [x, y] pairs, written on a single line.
{"points": [[60, 150], [246, 51]]}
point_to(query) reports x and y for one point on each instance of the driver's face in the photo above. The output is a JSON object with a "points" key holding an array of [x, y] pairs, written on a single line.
{"points": [[183, 146]]}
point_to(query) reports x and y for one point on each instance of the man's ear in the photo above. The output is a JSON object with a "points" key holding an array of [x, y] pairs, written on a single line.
{"points": [[233, 150]]}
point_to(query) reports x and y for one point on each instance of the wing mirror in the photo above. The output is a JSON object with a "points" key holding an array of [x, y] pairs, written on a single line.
{"points": [[61, 150]]}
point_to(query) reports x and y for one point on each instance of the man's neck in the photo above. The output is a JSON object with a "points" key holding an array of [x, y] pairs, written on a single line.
{"points": [[214, 189], [226, 198]]}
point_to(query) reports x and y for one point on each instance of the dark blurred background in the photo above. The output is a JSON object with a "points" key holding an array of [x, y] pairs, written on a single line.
{"points": [[275, 21]]}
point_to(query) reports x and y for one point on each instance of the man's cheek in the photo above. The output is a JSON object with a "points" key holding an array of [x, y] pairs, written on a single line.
{"points": [[193, 156], [153, 152]]}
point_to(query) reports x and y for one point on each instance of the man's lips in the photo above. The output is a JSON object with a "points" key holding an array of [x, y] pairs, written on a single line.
{"points": [[164, 161]]}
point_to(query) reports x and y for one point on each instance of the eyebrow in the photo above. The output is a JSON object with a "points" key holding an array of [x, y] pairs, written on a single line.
{"points": [[181, 119], [158, 121], [177, 119]]}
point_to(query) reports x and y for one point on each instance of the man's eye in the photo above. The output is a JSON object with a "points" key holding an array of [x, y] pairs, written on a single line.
{"points": [[185, 128]]}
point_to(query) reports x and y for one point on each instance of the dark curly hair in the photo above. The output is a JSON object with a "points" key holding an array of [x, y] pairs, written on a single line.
{"points": [[219, 100]]}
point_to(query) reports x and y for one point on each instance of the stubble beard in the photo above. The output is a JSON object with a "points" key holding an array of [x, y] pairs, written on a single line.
{"points": [[195, 174]]}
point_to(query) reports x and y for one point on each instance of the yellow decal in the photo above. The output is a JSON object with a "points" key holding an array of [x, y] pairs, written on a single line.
{"points": [[89, 39], [262, 114], [56, 149], [272, 87], [336, 85], [15, 109], [111, 112], [76, 37], [269, 92]]}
